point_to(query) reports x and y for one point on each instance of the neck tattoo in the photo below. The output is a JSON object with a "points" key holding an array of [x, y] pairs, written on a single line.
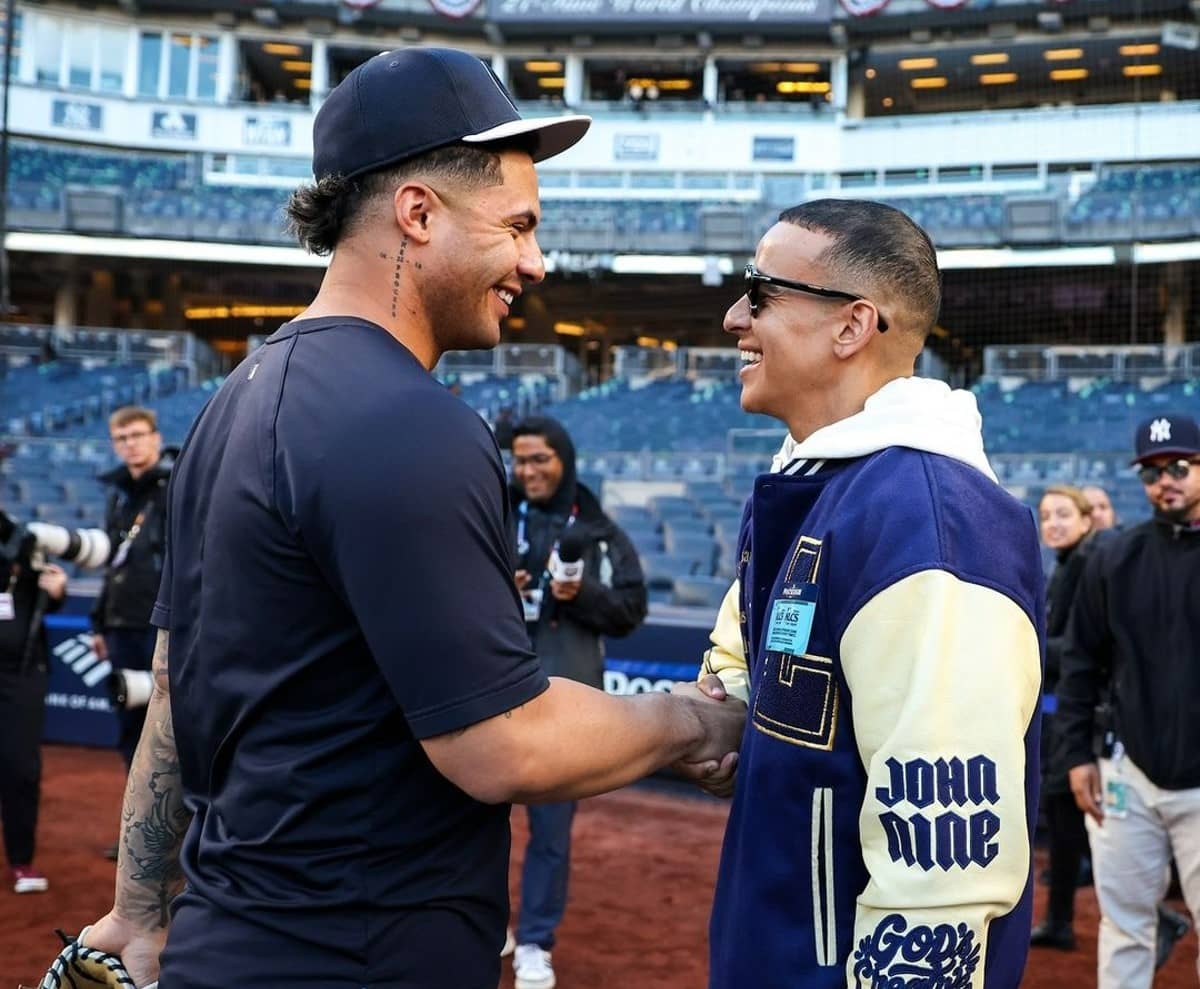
{"points": [[396, 274]]}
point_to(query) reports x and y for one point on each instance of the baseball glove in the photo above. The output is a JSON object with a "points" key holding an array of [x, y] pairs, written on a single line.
{"points": [[80, 967]]}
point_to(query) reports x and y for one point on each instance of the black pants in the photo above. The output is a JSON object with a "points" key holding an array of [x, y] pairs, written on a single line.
{"points": [[1068, 845], [130, 649], [22, 715]]}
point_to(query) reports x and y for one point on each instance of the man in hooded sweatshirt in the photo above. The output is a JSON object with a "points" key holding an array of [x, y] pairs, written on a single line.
{"points": [[886, 629], [567, 611]]}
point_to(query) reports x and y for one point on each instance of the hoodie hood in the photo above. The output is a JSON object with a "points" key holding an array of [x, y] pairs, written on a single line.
{"points": [[918, 413]]}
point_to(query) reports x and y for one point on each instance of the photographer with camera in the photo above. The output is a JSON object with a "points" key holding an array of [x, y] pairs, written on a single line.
{"points": [[135, 519], [1127, 704], [579, 579], [29, 590]]}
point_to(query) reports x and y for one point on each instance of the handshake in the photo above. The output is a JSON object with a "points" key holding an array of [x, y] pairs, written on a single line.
{"points": [[713, 765]]}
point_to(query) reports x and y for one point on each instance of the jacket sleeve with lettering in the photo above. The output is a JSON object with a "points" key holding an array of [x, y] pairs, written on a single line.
{"points": [[945, 680]]}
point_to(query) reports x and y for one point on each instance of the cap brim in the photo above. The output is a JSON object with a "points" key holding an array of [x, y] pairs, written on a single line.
{"points": [[552, 135], [1167, 451]]}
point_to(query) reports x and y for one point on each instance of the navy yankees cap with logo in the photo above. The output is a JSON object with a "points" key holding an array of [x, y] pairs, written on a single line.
{"points": [[406, 102], [1168, 433]]}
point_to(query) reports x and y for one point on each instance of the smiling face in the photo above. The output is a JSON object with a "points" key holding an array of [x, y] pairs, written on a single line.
{"points": [[536, 467], [1063, 523], [486, 256], [1176, 498], [787, 348]]}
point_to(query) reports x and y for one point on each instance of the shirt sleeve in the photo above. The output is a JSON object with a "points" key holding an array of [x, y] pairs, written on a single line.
{"points": [[727, 658], [944, 677], [411, 535], [160, 614]]}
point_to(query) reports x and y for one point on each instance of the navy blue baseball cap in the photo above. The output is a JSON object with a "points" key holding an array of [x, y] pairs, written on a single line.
{"points": [[1169, 433], [406, 102]]}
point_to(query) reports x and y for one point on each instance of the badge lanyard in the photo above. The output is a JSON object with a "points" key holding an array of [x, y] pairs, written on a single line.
{"points": [[523, 543]]}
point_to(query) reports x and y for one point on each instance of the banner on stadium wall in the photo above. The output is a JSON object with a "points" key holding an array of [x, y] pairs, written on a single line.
{"points": [[637, 13], [635, 147], [77, 115], [78, 711], [173, 124], [267, 132], [774, 148], [637, 676]]}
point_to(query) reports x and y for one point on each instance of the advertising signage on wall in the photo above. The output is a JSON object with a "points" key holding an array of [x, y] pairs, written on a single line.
{"points": [[173, 124], [77, 115], [267, 132], [774, 148], [639, 12], [635, 147]]}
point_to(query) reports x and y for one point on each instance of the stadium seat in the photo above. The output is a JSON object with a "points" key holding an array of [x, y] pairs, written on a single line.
{"points": [[699, 592]]}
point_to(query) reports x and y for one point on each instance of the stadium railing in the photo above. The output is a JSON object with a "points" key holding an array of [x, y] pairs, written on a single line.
{"points": [[89, 344], [1119, 363]]}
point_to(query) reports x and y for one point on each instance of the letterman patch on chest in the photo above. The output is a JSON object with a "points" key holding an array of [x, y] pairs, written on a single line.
{"points": [[797, 697]]}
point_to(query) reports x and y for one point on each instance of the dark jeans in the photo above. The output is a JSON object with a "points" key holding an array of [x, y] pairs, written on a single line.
{"points": [[1068, 845], [544, 877], [22, 715], [130, 649]]}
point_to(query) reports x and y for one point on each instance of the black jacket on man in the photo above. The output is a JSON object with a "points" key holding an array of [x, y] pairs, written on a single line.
{"points": [[567, 636], [1136, 618], [131, 584]]}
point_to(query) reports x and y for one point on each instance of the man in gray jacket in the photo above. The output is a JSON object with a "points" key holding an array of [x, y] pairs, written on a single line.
{"points": [[580, 579]]}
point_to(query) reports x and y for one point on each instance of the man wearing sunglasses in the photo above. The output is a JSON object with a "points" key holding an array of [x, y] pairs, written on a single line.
{"points": [[1128, 704], [885, 628]]}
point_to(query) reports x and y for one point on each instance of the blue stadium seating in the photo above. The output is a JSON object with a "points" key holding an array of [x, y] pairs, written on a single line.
{"points": [[1037, 432]]}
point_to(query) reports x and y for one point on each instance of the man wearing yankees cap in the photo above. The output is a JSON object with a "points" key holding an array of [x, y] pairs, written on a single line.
{"points": [[346, 699], [1129, 704]]}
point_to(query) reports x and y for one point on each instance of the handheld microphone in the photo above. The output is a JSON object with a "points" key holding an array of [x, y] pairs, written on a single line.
{"points": [[566, 564]]}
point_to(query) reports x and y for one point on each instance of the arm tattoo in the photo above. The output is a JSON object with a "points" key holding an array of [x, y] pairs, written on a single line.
{"points": [[153, 819]]}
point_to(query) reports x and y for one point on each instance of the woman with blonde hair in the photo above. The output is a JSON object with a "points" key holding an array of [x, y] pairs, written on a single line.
{"points": [[1065, 514]]}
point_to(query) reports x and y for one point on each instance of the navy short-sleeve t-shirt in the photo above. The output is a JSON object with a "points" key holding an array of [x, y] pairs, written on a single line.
{"points": [[338, 586]]}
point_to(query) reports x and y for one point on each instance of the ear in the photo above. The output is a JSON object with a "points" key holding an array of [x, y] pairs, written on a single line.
{"points": [[855, 332], [412, 204]]}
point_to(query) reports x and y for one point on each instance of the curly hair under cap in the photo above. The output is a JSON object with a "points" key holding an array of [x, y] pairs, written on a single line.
{"points": [[321, 213]]}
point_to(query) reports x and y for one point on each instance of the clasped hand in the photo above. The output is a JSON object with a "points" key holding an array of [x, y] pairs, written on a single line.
{"points": [[714, 766]]}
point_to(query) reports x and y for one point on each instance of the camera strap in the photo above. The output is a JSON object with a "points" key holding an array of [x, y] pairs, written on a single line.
{"points": [[122, 553]]}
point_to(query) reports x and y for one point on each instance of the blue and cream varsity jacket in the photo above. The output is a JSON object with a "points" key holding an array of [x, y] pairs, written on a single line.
{"points": [[887, 631]]}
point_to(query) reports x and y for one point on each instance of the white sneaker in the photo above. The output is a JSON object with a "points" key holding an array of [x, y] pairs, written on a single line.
{"points": [[510, 944], [531, 965]]}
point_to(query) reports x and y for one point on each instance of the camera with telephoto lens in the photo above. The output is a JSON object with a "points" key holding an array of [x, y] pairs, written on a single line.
{"points": [[87, 548]]}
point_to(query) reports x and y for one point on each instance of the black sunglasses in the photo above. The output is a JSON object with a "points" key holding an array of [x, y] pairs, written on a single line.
{"points": [[754, 278], [1177, 469]]}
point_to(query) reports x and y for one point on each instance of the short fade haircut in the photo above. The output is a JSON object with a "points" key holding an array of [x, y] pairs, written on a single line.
{"points": [[321, 213], [133, 413], [879, 246]]}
